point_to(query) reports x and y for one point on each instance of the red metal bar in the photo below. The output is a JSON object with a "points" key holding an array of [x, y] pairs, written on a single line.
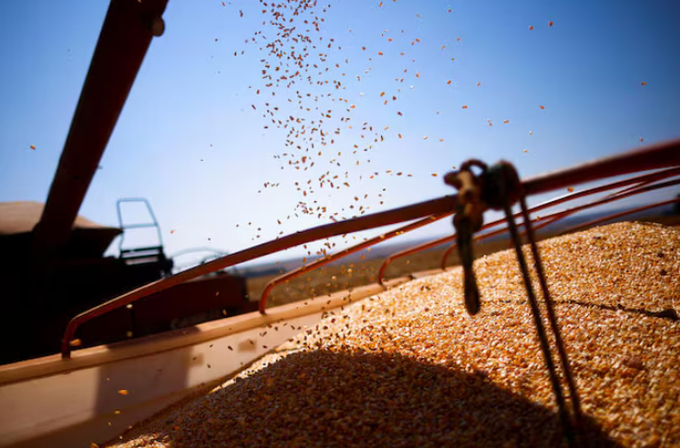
{"points": [[343, 253], [409, 251], [479, 237], [643, 183], [640, 181], [446, 254], [661, 155], [653, 157], [482, 236], [636, 182], [563, 214], [450, 238], [125, 37], [619, 215], [428, 245], [437, 206]]}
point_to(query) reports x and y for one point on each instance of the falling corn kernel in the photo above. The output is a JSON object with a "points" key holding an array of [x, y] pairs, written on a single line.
{"points": [[570, 189], [76, 343], [123, 392], [33, 146]]}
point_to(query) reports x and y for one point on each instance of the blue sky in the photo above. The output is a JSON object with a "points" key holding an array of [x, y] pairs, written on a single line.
{"points": [[192, 136]]}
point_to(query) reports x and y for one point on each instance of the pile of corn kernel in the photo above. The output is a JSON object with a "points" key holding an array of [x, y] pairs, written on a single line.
{"points": [[410, 368]]}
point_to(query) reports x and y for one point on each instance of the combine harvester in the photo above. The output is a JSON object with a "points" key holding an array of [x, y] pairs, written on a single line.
{"points": [[92, 394]]}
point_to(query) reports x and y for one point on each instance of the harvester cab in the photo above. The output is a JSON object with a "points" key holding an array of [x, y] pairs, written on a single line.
{"points": [[151, 257]]}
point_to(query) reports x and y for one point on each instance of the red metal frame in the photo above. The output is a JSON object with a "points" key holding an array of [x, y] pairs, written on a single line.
{"points": [[350, 250], [436, 243], [437, 206], [641, 185], [619, 215], [611, 198], [638, 182], [410, 251], [658, 156]]}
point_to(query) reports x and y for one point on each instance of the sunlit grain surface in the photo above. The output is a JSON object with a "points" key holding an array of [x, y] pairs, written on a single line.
{"points": [[410, 368]]}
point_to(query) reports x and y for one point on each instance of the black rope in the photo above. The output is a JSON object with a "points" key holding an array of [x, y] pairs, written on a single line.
{"points": [[499, 187], [562, 352], [507, 182], [538, 322]]}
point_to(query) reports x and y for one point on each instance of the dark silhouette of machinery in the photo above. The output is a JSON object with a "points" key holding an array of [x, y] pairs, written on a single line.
{"points": [[52, 265], [42, 291]]}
